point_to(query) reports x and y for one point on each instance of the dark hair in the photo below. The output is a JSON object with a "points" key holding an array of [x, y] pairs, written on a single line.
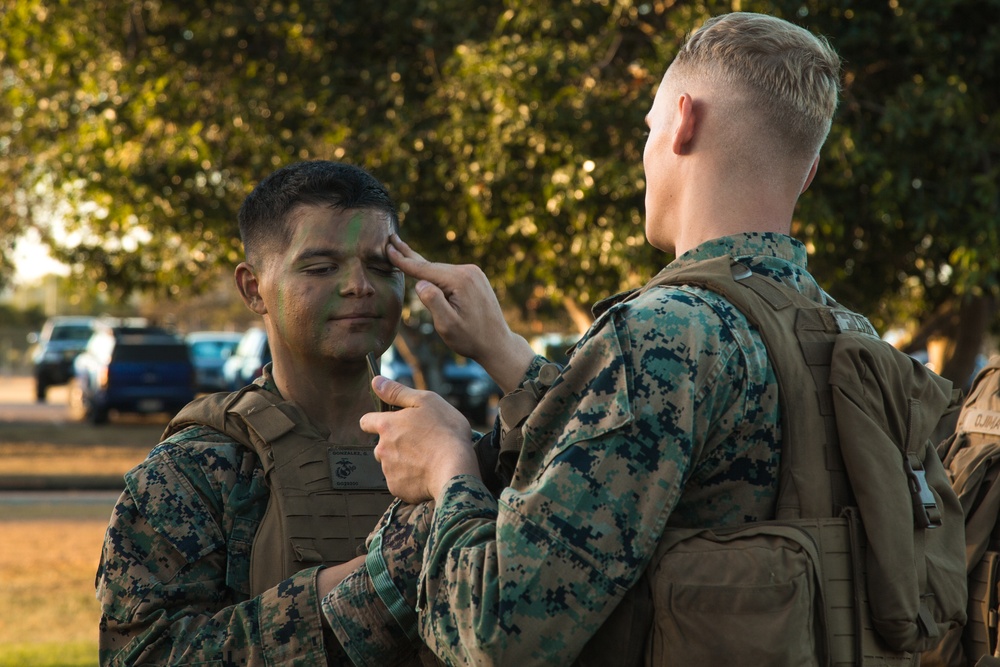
{"points": [[264, 213]]}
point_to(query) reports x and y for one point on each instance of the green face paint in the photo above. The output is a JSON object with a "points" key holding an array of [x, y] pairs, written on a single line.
{"points": [[335, 293]]}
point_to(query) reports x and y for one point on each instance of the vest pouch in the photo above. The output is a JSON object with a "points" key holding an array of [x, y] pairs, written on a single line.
{"points": [[981, 633], [746, 596]]}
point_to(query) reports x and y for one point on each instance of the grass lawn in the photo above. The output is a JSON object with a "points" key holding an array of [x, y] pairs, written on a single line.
{"points": [[49, 550], [80, 654], [49, 556], [48, 613]]}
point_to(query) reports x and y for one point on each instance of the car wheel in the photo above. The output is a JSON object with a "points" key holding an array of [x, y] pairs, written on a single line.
{"points": [[98, 416]]}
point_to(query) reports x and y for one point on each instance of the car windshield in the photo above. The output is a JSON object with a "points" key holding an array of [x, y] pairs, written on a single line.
{"points": [[211, 349], [151, 352], [81, 332]]}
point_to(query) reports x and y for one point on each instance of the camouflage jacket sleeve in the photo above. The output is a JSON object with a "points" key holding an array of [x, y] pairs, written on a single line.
{"points": [[372, 611], [663, 394], [173, 577]]}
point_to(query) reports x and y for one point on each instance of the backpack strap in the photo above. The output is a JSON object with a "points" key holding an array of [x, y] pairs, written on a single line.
{"points": [[789, 321]]}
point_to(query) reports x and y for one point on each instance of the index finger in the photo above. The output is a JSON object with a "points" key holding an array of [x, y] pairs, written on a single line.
{"points": [[413, 264]]}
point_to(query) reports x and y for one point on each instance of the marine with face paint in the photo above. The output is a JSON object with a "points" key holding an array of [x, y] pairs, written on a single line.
{"points": [[256, 503]]}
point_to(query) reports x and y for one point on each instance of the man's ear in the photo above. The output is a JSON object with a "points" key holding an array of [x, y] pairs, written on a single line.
{"points": [[249, 288], [686, 123], [812, 174]]}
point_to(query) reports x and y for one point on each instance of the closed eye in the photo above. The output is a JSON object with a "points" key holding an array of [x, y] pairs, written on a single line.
{"points": [[384, 269], [320, 269]]}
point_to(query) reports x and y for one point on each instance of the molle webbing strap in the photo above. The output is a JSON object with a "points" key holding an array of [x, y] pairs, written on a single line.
{"points": [[813, 328], [307, 522], [263, 417]]}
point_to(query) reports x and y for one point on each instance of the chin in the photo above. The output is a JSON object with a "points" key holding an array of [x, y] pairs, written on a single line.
{"points": [[651, 236], [660, 244]]}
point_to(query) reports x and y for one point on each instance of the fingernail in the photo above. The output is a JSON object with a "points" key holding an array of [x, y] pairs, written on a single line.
{"points": [[421, 286], [379, 382]]}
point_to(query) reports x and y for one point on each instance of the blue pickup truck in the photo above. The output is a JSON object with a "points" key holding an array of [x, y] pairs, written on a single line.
{"points": [[130, 369]]}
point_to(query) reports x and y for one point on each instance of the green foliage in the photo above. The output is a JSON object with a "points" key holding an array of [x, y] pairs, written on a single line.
{"points": [[149, 122], [511, 132], [904, 212], [31, 318], [538, 147]]}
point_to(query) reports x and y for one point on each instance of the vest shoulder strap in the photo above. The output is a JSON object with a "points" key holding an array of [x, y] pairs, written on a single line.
{"points": [[308, 520], [812, 481]]}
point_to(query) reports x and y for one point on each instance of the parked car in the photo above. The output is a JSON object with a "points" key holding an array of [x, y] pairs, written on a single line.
{"points": [[247, 361], [130, 369], [56, 348], [209, 352], [394, 367], [467, 386]]}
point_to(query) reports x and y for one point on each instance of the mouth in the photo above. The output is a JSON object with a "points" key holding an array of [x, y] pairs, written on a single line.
{"points": [[355, 317]]}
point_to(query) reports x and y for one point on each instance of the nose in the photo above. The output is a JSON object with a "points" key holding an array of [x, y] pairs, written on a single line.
{"points": [[356, 282]]}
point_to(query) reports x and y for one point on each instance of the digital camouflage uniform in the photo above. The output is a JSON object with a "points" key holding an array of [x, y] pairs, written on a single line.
{"points": [[174, 577], [666, 415]]}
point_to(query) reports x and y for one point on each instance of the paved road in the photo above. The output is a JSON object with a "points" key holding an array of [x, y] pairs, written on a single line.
{"points": [[17, 404], [74, 498]]}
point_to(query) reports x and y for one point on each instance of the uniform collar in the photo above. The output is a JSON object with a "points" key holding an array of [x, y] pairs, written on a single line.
{"points": [[737, 246]]}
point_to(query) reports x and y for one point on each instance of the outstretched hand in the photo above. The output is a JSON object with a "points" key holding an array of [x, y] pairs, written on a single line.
{"points": [[422, 446], [466, 313]]}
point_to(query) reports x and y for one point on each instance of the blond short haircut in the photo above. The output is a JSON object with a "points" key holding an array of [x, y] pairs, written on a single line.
{"points": [[787, 75]]}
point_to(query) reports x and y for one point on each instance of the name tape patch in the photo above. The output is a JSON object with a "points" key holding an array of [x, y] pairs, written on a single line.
{"points": [[355, 469], [981, 421], [848, 321]]}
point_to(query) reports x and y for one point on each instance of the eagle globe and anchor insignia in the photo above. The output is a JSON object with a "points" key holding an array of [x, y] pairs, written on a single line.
{"points": [[344, 468]]}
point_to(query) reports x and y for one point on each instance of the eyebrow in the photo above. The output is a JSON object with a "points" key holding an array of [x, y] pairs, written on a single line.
{"points": [[375, 255]]}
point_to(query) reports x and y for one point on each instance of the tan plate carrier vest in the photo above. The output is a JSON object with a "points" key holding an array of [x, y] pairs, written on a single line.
{"points": [[308, 521], [818, 527]]}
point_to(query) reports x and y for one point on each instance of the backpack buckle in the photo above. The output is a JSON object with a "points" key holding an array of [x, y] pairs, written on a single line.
{"points": [[926, 513]]}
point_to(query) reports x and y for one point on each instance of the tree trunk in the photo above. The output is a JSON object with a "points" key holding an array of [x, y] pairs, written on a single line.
{"points": [[967, 334], [580, 317]]}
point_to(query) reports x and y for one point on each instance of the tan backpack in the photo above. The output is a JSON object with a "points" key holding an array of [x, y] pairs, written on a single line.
{"points": [[863, 564], [972, 458]]}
